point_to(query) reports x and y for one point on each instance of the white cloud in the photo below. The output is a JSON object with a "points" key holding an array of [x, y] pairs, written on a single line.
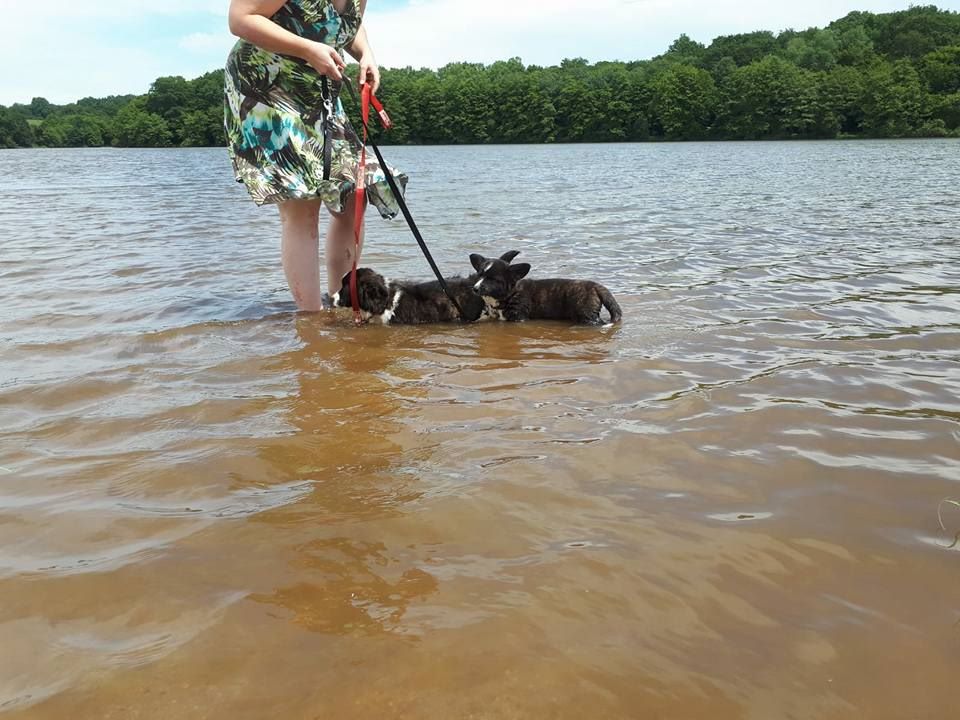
{"points": [[43, 53]]}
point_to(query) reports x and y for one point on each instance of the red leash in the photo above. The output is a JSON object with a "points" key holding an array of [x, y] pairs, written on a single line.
{"points": [[366, 98]]}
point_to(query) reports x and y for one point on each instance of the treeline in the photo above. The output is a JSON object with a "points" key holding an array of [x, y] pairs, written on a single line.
{"points": [[176, 112], [865, 75]]}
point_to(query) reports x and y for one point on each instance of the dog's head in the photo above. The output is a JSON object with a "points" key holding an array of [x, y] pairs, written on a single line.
{"points": [[497, 278], [372, 290]]}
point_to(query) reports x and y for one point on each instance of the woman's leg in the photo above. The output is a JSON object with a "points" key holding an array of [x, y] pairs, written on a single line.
{"points": [[300, 247], [340, 244]]}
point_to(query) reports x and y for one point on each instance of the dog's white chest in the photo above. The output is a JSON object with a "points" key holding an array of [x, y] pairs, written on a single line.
{"points": [[491, 309], [388, 314]]}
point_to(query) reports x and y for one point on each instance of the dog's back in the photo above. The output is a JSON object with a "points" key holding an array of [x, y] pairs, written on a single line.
{"points": [[579, 301], [422, 303], [512, 297], [407, 303]]}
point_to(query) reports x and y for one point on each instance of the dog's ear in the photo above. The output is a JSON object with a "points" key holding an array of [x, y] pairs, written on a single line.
{"points": [[478, 261], [518, 272], [382, 295], [508, 257], [373, 294]]}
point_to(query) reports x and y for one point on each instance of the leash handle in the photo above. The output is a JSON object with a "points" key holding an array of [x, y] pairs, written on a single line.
{"points": [[368, 98]]}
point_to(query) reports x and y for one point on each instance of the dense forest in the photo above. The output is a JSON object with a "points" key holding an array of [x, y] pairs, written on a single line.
{"points": [[865, 75]]}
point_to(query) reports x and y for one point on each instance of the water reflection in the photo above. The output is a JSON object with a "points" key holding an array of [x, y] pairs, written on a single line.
{"points": [[342, 414], [346, 588]]}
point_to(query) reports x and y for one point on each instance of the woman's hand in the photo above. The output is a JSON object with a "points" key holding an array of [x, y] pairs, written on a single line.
{"points": [[324, 59], [369, 71]]}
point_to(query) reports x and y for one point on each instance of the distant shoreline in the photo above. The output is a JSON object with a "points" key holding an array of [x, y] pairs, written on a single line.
{"points": [[865, 76], [716, 141]]}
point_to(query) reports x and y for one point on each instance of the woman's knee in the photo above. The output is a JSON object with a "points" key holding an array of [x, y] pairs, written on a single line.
{"points": [[301, 217], [299, 210]]}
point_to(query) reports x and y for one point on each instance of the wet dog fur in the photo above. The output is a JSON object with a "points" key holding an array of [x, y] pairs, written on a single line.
{"points": [[393, 302], [511, 297]]}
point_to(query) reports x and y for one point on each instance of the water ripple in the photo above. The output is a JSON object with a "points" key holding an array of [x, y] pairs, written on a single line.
{"points": [[727, 504]]}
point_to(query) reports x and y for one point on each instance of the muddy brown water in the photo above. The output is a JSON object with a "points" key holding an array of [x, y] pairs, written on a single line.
{"points": [[726, 507]]}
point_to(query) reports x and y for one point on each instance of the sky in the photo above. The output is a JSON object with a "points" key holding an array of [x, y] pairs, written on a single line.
{"points": [[64, 50]]}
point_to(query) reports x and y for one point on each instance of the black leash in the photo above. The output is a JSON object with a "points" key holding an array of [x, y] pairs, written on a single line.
{"points": [[326, 115], [398, 194]]}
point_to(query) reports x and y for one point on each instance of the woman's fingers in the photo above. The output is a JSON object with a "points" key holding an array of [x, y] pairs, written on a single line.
{"points": [[326, 61], [336, 62], [369, 72]]}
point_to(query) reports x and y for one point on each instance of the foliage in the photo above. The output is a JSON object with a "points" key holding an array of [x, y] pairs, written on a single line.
{"points": [[684, 102], [15, 130], [136, 126], [865, 75]]}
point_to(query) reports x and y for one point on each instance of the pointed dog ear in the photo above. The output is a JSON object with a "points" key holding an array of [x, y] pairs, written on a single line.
{"points": [[478, 261], [518, 272], [508, 257]]}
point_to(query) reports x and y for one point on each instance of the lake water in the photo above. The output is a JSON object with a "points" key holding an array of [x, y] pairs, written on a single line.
{"points": [[726, 507]]}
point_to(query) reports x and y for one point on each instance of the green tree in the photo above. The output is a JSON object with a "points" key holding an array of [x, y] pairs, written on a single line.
{"points": [[578, 116], [940, 69], [529, 113], [684, 102], [51, 133], [687, 51], [135, 126], [743, 49], [87, 132], [892, 100], [40, 108], [946, 109], [843, 91], [915, 32], [15, 131], [621, 103], [470, 107], [771, 99], [724, 69], [202, 128], [855, 46], [817, 50]]}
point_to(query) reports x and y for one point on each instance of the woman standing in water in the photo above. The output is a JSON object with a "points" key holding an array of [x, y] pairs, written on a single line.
{"points": [[273, 117]]}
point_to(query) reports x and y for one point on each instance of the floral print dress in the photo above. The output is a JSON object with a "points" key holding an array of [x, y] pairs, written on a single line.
{"points": [[272, 114]]}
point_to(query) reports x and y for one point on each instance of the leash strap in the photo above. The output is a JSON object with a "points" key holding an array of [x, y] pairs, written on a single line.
{"points": [[359, 205], [326, 118], [368, 98]]}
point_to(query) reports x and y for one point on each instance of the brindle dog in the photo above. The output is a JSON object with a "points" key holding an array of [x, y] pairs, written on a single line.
{"points": [[511, 297]]}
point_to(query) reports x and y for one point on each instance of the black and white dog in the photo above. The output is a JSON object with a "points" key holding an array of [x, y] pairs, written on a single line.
{"points": [[510, 297], [405, 303]]}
